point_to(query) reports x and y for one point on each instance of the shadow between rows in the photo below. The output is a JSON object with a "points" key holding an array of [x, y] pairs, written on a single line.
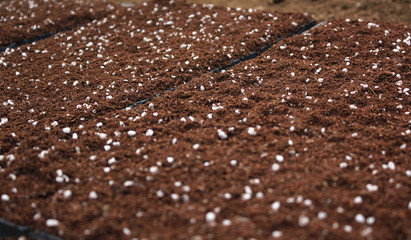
{"points": [[35, 39], [9, 230]]}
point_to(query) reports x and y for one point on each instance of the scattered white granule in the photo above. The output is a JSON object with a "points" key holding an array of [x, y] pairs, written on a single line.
{"points": [[67, 193], [210, 217], [371, 187], [226, 222], [277, 234], [170, 159], [66, 130], [153, 169], [370, 220], [128, 183], [275, 205], [303, 221], [358, 200], [227, 195], [52, 223], [131, 133], [279, 158], [251, 131], [126, 231], [149, 133], [111, 161], [5, 198], [102, 136], [322, 215], [221, 134], [359, 218], [391, 165], [92, 195], [3, 121], [275, 167], [347, 228]]}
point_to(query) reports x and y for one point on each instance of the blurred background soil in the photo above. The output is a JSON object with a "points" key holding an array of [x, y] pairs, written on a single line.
{"points": [[396, 11]]}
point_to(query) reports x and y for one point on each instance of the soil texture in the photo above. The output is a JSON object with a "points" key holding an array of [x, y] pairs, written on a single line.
{"points": [[27, 19], [310, 140], [132, 55], [394, 11]]}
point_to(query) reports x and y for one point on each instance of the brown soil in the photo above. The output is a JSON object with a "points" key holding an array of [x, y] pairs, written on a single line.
{"points": [[395, 11], [98, 68], [21, 20], [308, 141]]}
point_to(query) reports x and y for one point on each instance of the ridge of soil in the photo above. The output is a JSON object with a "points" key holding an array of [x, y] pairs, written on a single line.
{"points": [[394, 11], [22, 20]]}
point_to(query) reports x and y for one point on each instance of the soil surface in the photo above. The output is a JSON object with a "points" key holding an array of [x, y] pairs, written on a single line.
{"points": [[310, 140], [395, 11], [98, 68], [22, 20]]}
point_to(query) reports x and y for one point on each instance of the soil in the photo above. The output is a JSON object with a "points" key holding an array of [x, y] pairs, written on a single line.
{"points": [[310, 140], [97, 68], [394, 11], [22, 20]]}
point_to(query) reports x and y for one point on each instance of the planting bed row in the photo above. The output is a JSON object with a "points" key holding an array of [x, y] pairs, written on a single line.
{"points": [[22, 21], [308, 140]]}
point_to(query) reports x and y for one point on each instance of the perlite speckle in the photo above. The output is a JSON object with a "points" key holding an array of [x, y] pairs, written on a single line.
{"points": [[92, 195], [153, 170], [170, 159], [277, 234], [3, 121], [275, 167], [359, 218], [131, 133], [303, 221], [251, 131], [149, 133], [52, 223], [210, 217], [322, 215], [221, 134], [279, 158], [5, 198], [358, 200], [275, 205], [66, 130]]}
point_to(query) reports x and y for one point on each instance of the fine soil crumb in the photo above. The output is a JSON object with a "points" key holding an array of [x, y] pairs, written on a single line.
{"points": [[133, 54], [310, 140], [21, 20]]}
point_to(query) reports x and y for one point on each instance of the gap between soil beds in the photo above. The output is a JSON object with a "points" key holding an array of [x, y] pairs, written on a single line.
{"points": [[8, 229]]}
